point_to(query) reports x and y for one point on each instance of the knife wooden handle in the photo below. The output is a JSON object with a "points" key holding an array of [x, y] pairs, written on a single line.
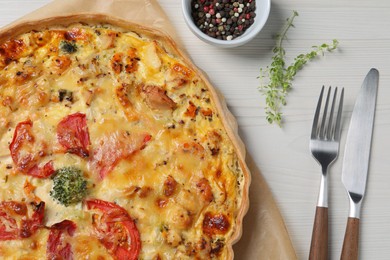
{"points": [[319, 238], [351, 240]]}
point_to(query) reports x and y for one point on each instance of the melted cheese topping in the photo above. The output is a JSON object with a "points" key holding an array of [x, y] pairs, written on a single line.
{"points": [[182, 187]]}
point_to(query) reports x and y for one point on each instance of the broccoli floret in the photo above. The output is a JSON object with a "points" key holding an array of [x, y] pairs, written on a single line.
{"points": [[69, 186], [68, 47]]}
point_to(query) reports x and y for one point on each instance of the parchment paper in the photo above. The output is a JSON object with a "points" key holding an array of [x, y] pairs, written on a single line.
{"points": [[264, 233]]}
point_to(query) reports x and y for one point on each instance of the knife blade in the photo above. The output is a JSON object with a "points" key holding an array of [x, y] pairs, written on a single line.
{"points": [[356, 159]]}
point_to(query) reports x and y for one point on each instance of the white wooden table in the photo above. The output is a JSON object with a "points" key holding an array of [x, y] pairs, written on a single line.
{"points": [[363, 30]]}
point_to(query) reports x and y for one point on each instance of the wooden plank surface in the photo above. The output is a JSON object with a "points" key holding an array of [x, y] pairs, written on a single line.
{"points": [[282, 154]]}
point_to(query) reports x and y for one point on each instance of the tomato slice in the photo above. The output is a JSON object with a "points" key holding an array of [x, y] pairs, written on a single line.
{"points": [[30, 225], [57, 247], [9, 229], [73, 135], [115, 147], [22, 145], [42, 172], [115, 229], [24, 154], [10, 211]]}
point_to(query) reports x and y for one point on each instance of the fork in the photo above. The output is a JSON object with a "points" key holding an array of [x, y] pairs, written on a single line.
{"points": [[324, 146]]}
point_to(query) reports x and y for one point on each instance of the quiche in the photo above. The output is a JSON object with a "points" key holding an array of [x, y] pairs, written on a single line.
{"points": [[113, 146]]}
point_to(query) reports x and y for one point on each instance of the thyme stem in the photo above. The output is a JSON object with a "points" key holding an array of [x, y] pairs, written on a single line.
{"points": [[283, 35]]}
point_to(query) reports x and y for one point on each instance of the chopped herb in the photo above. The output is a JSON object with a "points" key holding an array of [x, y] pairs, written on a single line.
{"points": [[68, 47], [163, 228], [65, 94]]}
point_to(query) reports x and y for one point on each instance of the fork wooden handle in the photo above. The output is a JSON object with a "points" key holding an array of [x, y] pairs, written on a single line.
{"points": [[319, 238], [351, 240]]}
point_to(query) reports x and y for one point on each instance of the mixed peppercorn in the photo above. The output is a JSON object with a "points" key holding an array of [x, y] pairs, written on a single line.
{"points": [[223, 19]]}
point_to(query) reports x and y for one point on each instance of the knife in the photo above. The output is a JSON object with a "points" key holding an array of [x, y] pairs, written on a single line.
{"points": [[356, 160]]}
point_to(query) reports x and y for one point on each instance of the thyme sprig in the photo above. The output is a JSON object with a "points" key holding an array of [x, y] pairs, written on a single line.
{"points": [[280, 77]]}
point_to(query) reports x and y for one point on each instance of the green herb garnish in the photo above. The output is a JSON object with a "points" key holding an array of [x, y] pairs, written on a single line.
{"points": [[280, 77], [68, 47], [65, 94], [69, 186]]}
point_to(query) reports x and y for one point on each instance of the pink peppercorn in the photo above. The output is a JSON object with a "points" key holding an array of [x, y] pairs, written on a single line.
{"points": [[212, 11], [247, 16], [206, 9]]}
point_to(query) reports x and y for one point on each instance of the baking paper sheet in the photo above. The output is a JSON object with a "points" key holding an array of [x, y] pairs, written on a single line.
{"points": [[264, 233]]}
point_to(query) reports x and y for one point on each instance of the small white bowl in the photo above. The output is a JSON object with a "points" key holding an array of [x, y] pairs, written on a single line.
{"points": [[262, 12]]}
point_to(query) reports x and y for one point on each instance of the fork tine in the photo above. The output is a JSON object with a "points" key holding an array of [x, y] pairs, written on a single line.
{"points": [[316, 115], [330, 130], [337, 130], [323, 127]]}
